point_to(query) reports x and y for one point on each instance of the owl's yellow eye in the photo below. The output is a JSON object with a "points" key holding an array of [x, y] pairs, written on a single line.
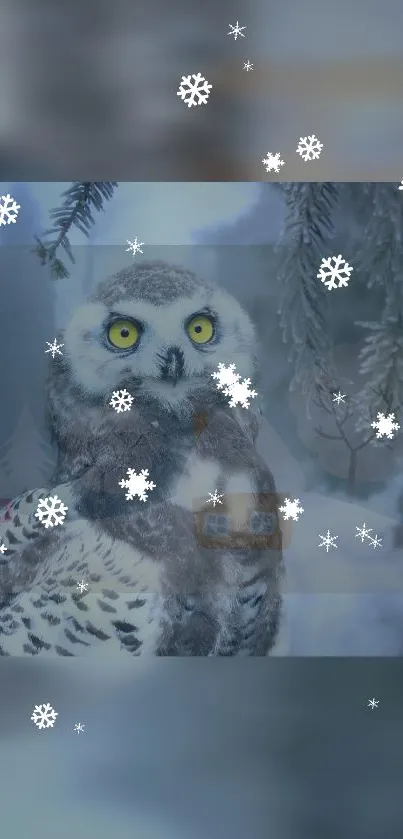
{"points": [[200, 329], [123, 334]]}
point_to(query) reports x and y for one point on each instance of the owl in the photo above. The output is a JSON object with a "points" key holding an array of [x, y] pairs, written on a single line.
{"points": [[165, 573]]}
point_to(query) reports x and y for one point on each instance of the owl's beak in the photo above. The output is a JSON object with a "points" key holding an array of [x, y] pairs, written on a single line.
{"points": [[171, 365]]}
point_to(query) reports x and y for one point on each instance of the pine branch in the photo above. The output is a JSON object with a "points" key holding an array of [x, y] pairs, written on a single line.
{"points": [[80, 201]]}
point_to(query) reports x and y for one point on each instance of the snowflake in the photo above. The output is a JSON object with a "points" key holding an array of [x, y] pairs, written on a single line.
{"points": [[226, 376], [136, 484], [385, 425], [194, 92], [272, 162], [240, 393], [121, 401], [309, 147], [44, 716], [236, 30], [2, 549], [375, 542], [248, 66], [327, 541], [215, 498], [401, 185], [339, 397], [134, 246], [51, 511], [54, 348], [82, 586], [373, 703], [8, 210], [78, 727], [363, 533], [329, 274], [291, 509]]}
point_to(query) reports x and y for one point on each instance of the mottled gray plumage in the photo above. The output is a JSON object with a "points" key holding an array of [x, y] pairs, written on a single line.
{"points": [[190, 599]]}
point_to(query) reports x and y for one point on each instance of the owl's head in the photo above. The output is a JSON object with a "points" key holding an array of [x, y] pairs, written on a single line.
{"points": [[158, 331]]}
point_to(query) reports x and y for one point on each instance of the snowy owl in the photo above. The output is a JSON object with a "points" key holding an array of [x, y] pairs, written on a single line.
{"points": [[166, 572]]}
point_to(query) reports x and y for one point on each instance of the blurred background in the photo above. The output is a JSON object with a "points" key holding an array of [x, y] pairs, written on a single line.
{"points": [[89, 90]]}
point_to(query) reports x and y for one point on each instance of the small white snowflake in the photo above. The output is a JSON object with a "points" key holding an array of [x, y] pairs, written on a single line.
{"points": [[337, 275], [291, 509], [226, 376], [236, 30], [78, 727], [44, 716], [215, 498], [339, 397], [8, 210], [309, 147], [385, 425], [240, 393], [327, 541], [2, 549], [54, 348], [51, 511], [134, 247], [194, 92], [273, 162], [82, 586], [401, 185], [375, 542], [363, 532], [373, 703], [137, 484], [121, 401], [248, 66]]}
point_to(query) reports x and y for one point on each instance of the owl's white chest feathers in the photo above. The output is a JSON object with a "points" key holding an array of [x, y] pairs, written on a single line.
{"points": [[120, 610]]}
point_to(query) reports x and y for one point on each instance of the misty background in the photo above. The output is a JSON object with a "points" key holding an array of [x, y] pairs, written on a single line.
{"points": [[284, 746], [88, 90]]}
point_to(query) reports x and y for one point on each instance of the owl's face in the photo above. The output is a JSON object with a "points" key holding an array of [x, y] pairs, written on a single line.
{"points": [[163, 347]]}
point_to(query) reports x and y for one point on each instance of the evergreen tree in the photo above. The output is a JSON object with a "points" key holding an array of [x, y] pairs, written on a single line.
{"points": [[80, 201], [382, 355], [304, 304]]}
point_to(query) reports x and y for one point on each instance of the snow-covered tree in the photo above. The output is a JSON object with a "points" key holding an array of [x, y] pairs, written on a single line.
{"points": [[26, 459], [304, 304], [382, 355]]}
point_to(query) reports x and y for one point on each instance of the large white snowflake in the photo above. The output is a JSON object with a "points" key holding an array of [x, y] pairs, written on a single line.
{"points": [[135, 246], [236, 30], [137, 484], [194, 92], [309, 147], [272, 162], [121, 400], [44, 716], [385, 425], [226, 376], [8, 210], [334, 272], [291, 509], [215, 498], [51, 511], [328, 541], [240, 393], [339, 397], [54, 348]]}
